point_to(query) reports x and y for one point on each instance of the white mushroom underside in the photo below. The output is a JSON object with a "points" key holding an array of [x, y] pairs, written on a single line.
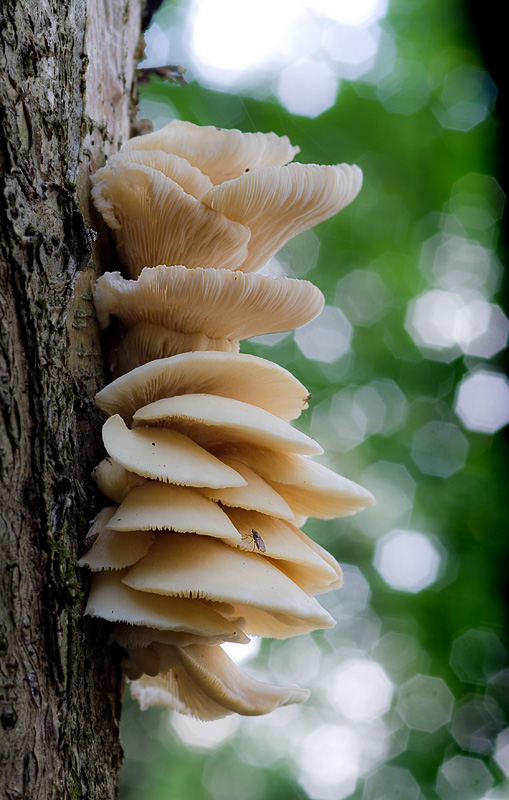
{"points": [[216, 302], [166, 455], [205, 683]]}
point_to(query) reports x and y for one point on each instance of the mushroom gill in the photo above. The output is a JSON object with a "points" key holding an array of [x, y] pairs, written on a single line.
{"points": [[170, 310], [219, 153], [209, 479], [231, 205]]}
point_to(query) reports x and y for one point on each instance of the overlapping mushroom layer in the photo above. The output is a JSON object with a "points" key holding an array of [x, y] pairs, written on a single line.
{"points": [[170, 310], [204, 197], [209, 481]]}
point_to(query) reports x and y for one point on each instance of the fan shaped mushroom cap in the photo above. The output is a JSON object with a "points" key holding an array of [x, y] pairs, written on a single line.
{"points": [[166, 455], [290, 548], [236, 375], [193, 566], [221, 154], [164, 506], [190, 179], [208, 419], [111, 599], [278, 202], [204, 683], [257, 494], [309, 488], [111, 550], [155, 221], [216, 302]]}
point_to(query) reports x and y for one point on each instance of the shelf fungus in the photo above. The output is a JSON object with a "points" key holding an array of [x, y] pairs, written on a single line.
{"points": [[171, 310], [208, 479], [170, 199]]}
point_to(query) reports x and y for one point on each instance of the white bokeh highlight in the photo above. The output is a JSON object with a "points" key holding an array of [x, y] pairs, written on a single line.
{"points": [[502, 751], [477, 655], [360, 689], [454, 263], [330, 762], [325, 338], [363, 296], [476, 722], [307, 87], [407, 560], [461, 321], [296, 49], [468, 94], [394, 489], [482, 401]]}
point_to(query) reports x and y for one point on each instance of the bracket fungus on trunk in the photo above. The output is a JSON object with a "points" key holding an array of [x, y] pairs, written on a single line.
{"points": [[209, 479], [170, 310]]}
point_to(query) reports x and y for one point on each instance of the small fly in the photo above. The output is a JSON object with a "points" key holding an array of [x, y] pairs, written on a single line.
{"points": [[257, 539]]}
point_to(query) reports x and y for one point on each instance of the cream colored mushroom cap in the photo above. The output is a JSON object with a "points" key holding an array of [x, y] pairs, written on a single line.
{"points": [[190, 179], [111, 550], [155, 221], [208, 419], [164, 506], [256, 495], [310, 488], [112, 600], [204, 683], [222, 154], [236, 375], [278, 202], [287, 545], [166, 455], [193, 566], [219, 303]]}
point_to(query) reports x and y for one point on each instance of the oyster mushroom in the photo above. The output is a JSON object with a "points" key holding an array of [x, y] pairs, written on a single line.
{"points": [[221, 154], [310, 488], [166, 455], [215, 307], [203, 682], [113, 551], [208, 419], [151, 616], [163, 506], [187, 565], [301, 195], [238, 376], [154, 221], [163, 210]]}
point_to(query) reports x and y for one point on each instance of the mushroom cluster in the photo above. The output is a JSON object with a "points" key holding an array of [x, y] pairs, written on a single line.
{"points": [[209, 482]]}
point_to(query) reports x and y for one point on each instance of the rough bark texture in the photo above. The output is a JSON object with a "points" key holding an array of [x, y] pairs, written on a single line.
{"points": [[65, 102]]}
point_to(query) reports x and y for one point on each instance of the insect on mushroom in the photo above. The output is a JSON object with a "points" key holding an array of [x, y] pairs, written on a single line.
{"points": [[257, 539]]}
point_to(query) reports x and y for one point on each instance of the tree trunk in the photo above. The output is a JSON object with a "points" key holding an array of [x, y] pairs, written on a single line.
{"points": [[66, 101]]}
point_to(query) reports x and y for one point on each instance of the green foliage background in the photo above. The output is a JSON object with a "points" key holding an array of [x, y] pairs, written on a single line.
{"points": [[411, 164]]}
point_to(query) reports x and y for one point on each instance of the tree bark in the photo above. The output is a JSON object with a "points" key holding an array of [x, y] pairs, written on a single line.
{"points": [[66, 101]]}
